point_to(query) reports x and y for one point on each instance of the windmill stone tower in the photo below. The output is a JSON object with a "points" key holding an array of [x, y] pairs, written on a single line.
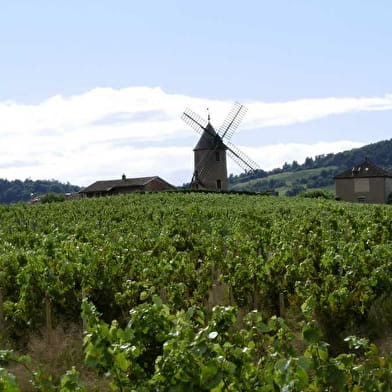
{"points": [[210, 152]]}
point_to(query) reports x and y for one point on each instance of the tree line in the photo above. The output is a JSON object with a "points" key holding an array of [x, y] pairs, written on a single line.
{"points": [[16, 190]]}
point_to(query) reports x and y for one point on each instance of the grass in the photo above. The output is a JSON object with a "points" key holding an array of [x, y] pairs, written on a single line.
{"points": [[55, 357]]}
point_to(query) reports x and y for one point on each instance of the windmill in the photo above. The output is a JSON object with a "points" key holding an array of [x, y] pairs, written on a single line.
{"points": [[210, 152]]}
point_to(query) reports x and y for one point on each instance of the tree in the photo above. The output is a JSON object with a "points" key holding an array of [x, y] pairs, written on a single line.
{"points": [[295, 165]]}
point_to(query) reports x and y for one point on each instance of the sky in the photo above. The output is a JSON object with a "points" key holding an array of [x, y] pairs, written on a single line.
{"points": [[93, 89]]}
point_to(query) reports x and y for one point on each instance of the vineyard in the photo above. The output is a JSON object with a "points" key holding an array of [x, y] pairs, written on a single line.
{"points": [[197, 292]]}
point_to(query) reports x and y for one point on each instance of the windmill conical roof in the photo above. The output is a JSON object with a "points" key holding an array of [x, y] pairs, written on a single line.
{"points": [[210, 140]]}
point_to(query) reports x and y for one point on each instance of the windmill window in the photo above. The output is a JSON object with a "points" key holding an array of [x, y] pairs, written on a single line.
{"points": [[219, 184], [217, 156]]}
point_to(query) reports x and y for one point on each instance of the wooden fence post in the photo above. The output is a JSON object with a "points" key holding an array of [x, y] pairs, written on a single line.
{"points": [[282, 308], [2, 323], [84, 321], [48, 313]]}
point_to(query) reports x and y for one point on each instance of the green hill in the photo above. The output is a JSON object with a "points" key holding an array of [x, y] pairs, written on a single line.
{"points": [[292, 182], [314, 173]]}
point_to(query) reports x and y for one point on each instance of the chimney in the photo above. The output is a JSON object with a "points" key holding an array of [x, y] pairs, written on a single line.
{"points": [[124, 177]]}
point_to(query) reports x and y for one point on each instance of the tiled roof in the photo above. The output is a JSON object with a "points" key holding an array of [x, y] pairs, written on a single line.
{"points": [[210, 140], [364, 169], [106, 186]]}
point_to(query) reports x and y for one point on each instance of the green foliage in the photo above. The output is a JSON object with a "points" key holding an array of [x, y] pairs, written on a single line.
{"points": [[41, 382], [52, 198], [317, 193], [216, 355], [266, 185], [70, 382], [122, 251], [7, 382], [295, 190], [166, 256], [16, 190], [246, 176]]}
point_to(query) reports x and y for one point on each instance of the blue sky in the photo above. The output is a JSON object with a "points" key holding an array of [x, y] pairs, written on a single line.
{"points": [[61, 57]]}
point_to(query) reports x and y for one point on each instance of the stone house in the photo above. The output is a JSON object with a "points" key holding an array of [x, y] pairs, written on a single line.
{"points": [[126, 185], [364, 183]]}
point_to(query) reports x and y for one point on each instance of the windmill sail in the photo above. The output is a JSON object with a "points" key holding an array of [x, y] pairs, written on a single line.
{"points": [[194, 120], [232, 121], [240, 158]]}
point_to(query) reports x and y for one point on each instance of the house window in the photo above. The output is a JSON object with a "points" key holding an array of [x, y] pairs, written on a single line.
{"points": [[217, 156], [219, 184], [361, 185], [361, 199]]}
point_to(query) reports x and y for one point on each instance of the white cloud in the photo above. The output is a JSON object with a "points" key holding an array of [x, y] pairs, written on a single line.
{"points": [[137, 130], [302, 110]]}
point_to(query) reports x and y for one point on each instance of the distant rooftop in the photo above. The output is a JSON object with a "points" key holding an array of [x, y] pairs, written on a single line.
{"points": [[107, 186], [365, 169]]}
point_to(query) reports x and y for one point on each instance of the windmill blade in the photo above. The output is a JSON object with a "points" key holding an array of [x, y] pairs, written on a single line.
{"points": [[240, 158], [194, 120], [232, 121]]}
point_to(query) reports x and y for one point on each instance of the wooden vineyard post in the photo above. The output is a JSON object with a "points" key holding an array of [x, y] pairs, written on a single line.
{"points": [[282, 309], [2, 324], [163, 294], [48, 313], [84, 321]]}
